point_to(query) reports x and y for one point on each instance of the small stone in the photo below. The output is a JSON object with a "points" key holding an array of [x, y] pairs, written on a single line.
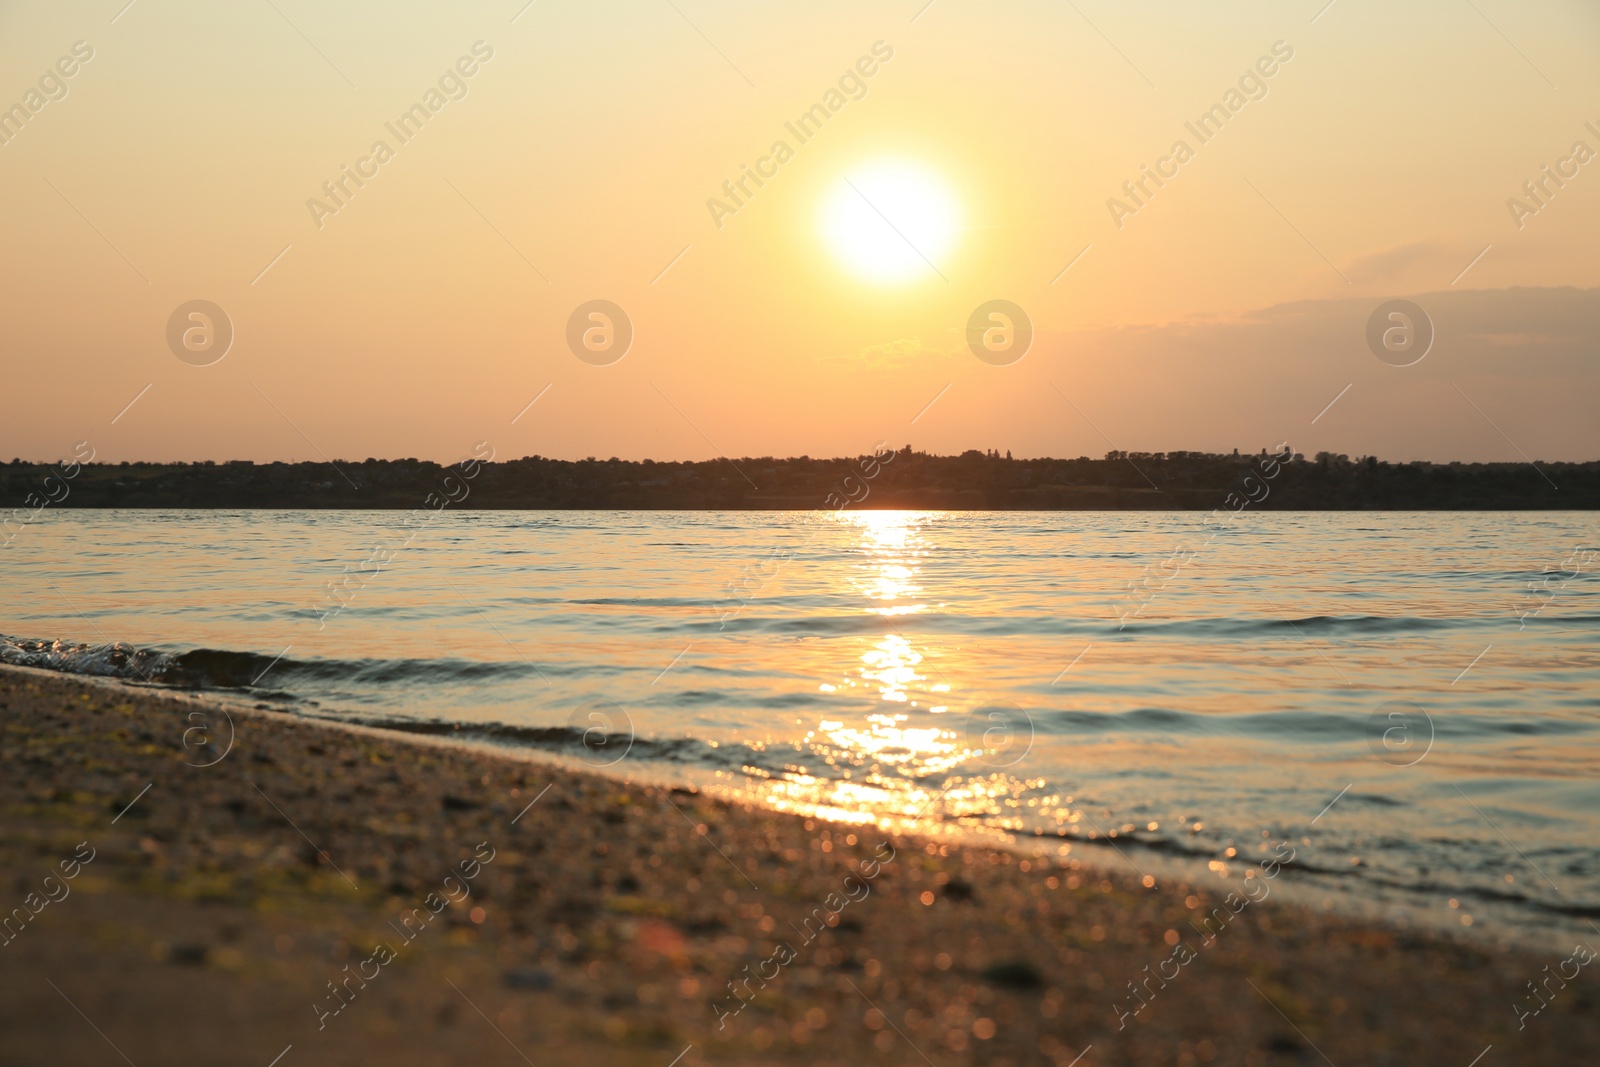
{"points": [[187, 955], [528, 978], [1013, 974]]}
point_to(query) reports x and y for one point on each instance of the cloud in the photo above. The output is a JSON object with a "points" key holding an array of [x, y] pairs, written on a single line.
{"points": [[1526, 357], [1416, 259], [1551, 330], [898, 354]]}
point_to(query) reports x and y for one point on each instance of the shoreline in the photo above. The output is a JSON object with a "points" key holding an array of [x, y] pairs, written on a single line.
{"points": [[1399, 914], [900, 478], [621, 916], [1401, 917]]}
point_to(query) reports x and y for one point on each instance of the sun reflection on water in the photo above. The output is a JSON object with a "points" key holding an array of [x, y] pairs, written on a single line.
{"points": [[891, 751]]}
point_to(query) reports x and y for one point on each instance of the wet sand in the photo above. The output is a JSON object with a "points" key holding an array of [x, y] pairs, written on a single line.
{"points": [[340, 896]]}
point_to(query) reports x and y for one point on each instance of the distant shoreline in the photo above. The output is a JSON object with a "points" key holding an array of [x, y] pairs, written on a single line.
{"points": [[887, 479]]}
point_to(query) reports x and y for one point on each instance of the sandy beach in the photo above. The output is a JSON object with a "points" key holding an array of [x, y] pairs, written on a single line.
{"points": [[330, 895]]}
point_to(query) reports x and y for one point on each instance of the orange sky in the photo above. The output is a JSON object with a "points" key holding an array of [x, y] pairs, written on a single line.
{"points": [[576, 161]]}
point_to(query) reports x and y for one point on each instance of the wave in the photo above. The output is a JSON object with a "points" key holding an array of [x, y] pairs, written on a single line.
{"points": [[295, 680], [117, 660], [222, 669], [1296, 725], [595, 746], [758, 619], [604, 748]]}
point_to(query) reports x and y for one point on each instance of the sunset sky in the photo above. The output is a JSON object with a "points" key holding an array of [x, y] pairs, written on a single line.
{"points": [[578, 161]]}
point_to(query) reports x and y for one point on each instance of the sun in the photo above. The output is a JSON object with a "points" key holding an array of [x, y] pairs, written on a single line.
{"points": [[890, 222]]}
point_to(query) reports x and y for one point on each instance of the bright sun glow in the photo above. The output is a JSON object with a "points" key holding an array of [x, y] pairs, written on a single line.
{"points": [[891, 222]]}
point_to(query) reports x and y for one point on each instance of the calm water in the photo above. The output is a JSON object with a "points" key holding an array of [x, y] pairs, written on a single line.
{"points": [[965, 670]]}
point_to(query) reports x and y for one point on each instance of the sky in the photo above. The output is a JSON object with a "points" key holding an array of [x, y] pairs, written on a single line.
{"points": [[1364, 153]]}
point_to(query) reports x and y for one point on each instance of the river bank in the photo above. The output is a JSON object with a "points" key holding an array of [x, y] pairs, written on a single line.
{"points": [[272, 885]]}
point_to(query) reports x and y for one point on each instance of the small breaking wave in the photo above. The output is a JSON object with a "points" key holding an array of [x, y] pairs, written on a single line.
{"points": [[222, 669]]}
